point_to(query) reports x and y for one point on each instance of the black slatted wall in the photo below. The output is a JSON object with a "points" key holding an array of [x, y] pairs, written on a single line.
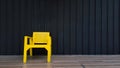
{"points": [[76, 26]]}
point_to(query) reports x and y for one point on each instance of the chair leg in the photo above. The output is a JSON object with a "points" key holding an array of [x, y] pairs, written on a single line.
{"points": [[49, 56], [25, 56], [31, 54]]}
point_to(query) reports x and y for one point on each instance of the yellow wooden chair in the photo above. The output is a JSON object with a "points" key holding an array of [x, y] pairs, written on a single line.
{"points": [[39, 40]]}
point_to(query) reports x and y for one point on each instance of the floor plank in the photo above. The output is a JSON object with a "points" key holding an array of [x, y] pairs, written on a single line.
{"points": [[102, 67]]}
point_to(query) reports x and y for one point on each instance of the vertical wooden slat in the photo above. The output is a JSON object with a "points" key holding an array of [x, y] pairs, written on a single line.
{"points": [[15, 27], [36, 7], [66, 26], [60, 27], [3, 38], [92, 27], [22, 22], [110, 27], [85, 26], [53, 26], [116, 26], [79, 39], [40, 15], [98, 26], [0, 23], [72, 28], [29, 16], [104, 27], [20, 38]]}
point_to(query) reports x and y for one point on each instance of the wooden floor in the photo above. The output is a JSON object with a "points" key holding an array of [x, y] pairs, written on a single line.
{"points": [[62, 61]]}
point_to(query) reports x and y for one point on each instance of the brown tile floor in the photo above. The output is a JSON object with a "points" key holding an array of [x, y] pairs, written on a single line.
{"points": [[62, 61]]}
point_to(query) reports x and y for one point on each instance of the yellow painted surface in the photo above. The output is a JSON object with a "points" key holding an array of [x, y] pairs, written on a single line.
{"points": [[38, 37]]}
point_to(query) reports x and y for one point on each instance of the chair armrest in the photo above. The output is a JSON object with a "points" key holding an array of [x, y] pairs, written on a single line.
{"points": [[27, 36], [26, 40], [50, 40]]}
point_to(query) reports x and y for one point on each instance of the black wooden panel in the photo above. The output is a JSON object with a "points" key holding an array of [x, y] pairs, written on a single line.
{"points": [[76, 26]]}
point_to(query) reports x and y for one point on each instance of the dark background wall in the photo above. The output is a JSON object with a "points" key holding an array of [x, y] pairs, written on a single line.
{"points": [[76, 26]]}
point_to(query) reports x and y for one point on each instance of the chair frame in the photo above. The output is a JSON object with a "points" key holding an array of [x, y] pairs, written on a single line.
{"points": [[32, 45]]}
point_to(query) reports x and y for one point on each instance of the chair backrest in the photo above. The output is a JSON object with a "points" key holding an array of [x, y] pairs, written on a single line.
{"points": [[40, 37]]}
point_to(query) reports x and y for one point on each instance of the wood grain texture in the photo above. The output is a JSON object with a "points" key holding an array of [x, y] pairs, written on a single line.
{"points": [[62, 61]]}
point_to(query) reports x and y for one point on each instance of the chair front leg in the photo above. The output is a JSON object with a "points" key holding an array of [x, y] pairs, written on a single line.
{"points": [[25, 55], [49, 55]]}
